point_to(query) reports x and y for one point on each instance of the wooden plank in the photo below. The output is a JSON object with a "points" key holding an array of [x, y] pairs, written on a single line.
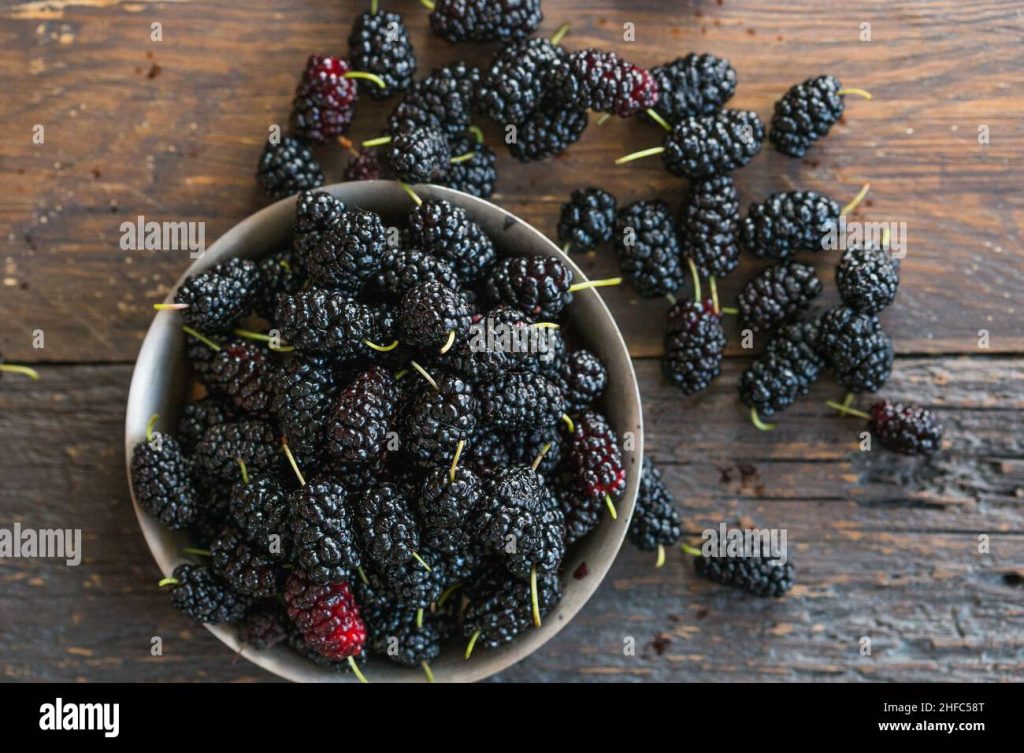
{"points": [[171, 130], [885, 547]]}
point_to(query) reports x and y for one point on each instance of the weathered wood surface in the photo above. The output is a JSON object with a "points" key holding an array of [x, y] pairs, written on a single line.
{"points": [[171, 130], [885, 547]]}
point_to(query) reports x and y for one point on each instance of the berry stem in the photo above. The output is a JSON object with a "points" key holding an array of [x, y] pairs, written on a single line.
{"points": [[859, 92], [534, 600], [547, 325], [381, 348], [671, 299], [291, 461], [449, 343], [560, 34], [170, 306], [756, 420], [610, 282], [422, 561], [696, 279], [653, 115], [362, 575], [356, 671], [730, 310], [661, 556], [472, 642], [200, 337], [167, 582], [428, 4], [455, 460], [446, 593], [374, 5], [400, 373], [569, 423], [419, 618], [540, 457], [640, 155], [462, 158], [196, 552], [565, 247], [611, 507], [603, 119], [714, 294], [367, 76], [478, 134], [856, 200], [347, 144], [149, 426], [425, 375], [427, 671], [848, 400], [262, 338], [412, 194], [379, 141], [845, 410], [15, 368], [245, 471], [691, 550]]}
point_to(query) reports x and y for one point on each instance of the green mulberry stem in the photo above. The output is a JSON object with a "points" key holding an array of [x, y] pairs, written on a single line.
{"points": [[653, 115], [610, 282], [692, 550], [756, 420], [462, 158], [569, 423], [449, 343], [427, 671], [696, 279], [856, 200], [291, 461], [149, 426], [379, 141], [367, 76], [356, 671], [245, 471], [412, 194], [425, 375], [472, 642], [428, 4], [534, 600], [167, 582], [15, 368], [422, 561], [846, 410], [196, 552], [540, 457], [640, 155], [477, 133], [455, 461], [170, 306], [661, 556], [714, 294], [560, 34], [611, 507], [859, 92], [201, 338], [381, 348]]}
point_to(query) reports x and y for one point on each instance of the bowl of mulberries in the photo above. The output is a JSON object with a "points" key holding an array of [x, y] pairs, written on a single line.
{"points": [[382, 432]]}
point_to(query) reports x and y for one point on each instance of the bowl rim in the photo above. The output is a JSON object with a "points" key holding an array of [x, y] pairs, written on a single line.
{"points": [[300, 669]]}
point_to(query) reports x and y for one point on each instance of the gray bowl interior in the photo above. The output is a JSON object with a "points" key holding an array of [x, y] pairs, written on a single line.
{"points": [[160, 384]]}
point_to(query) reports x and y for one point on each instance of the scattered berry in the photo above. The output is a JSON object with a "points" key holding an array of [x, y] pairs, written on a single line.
{"points": [[699, 147], [655, 522], [788, 222], [854, 346], [349, 252], [600, 80], [200, 595], [364, 166], [536, 285], [908, 429], [867, 278], [786, 369], [446, 231], [547, 132], [694, 346], [519, 75], [420, 155], [806, 113], [778, 294], [648, 247], [287, 167], [759, 576], [443, 101], [218, 297], [476, 176], [322, 534], [379, 44], [709, 225], [485, 20], [325, 100], [162, 481], [692, 86], [587, 220]]}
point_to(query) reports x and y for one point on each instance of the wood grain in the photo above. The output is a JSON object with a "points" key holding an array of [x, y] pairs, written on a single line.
{"points": [[171, 130], [884, 547]]}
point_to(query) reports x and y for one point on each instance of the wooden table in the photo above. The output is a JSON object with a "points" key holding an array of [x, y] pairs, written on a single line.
{"points": [[886, 547]]}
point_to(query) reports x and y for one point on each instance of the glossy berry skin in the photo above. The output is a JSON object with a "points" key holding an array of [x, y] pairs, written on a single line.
{"points": [[547, 132], [360, 417], [655, 518], [907, 429], [288, 167], [244, 566], [199, 416], [806, 113], [447, 505], [252, 440], [699, 147], [694, 346], [440, 228], [218, 297], [365, 166], [429, 313], [325, 101], [856, 348], [521, 401], [785, 371], [242, 372], [867, 278], [516, 81], [322, 321], [327, 615], [596, 458], [500, 607], [434, 422], [693, 86], [404, 268], [476, 176], [322, 532], [349, 252], [201, 596], [283, 272], [162, 481], [648, 247], [315, 211], [758, 576], [485, 20], [420, 155], [302, 389], [788, 222], [778, 294], [587, 219], [601, 81], [498, 343], [536, 285], [444, 101], [583, 380], [260, 511], [379, 44], [709, 226]]}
